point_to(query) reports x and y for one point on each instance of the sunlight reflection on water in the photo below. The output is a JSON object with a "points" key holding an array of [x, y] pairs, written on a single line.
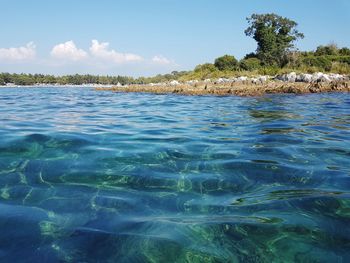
{"points": [[92, 176]]}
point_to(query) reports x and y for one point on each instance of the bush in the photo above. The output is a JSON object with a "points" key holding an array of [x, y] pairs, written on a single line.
{"points": [[269, 70], [250, 64], [332, 50], [205, 67], [342, 59], [202, 72], [226, 63], [320, 62], [344, 51], [341, 68], [326, 50]]}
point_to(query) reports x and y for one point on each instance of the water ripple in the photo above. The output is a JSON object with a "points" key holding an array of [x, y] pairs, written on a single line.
{"points": [[90, 176]]}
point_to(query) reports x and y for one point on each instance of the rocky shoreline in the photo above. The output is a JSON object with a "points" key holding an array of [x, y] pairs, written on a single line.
{"points": [[246, 86]]}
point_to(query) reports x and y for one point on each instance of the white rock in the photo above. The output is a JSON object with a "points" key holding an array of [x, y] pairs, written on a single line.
{"points": [[174, 83], [255, 80], [334, 76], [317, 76], [263, 79], [222, 80], [191, 82], [242, 78], [290, 77], [304, 78], [325, 78]]}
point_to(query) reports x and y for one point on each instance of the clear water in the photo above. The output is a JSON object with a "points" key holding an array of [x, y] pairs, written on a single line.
{"points": [[89, 176]]}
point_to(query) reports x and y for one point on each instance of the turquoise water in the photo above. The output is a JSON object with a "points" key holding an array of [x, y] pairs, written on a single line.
{"points": [[89, 176]]}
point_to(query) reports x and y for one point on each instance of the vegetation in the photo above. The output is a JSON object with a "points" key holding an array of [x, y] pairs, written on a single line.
{"points": [[275, 54], [32, 79], [275, 36], [250, 64], [226, 62]]}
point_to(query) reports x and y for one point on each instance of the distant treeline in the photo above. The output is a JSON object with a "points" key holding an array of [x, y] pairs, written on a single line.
{"points": [[37, 79], [33, 79]]}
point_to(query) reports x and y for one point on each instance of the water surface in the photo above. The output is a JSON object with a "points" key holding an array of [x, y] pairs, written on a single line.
{"points": [[89, 176]]}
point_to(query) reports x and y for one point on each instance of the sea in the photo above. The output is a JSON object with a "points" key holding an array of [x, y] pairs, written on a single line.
{"points": [[100, 176]]}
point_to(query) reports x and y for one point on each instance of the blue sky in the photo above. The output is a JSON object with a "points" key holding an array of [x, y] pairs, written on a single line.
{"points": [[147, 37]]}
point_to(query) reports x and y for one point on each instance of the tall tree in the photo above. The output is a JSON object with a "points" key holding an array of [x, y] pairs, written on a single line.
{"points": [[275, 36]]}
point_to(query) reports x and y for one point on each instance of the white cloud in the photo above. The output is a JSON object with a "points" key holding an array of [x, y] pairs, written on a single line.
{"points": [[159, 59], [68, 51], [18, 53], [99, 58], [101, 51]]}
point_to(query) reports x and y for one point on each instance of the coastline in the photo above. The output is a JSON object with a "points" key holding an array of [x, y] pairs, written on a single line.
{"points": [[57, 86], [236, 89], [290, 83]]}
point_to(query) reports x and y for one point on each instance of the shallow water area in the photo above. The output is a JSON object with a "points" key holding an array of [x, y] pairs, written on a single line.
{"points": [[93, 176]]}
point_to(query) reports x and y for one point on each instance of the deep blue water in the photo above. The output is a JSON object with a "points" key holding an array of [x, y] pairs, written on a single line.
{"points": [[91, 176]]}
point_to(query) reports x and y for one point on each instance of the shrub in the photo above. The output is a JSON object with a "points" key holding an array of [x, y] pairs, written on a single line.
{"points": [[226, 63], [250, 64], [326, 50], [341, 68], [207, 67], [342, 59], [320, 62], [271, 70], [344, 51]]}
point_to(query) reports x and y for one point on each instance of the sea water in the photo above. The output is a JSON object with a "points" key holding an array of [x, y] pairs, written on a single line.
{"points": [[92, 176]]}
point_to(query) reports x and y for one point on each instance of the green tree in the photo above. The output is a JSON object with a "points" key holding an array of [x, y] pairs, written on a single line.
{"points": [[250, 55], [275, 36], [23, 79], [8, 78], [226, 63]]}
